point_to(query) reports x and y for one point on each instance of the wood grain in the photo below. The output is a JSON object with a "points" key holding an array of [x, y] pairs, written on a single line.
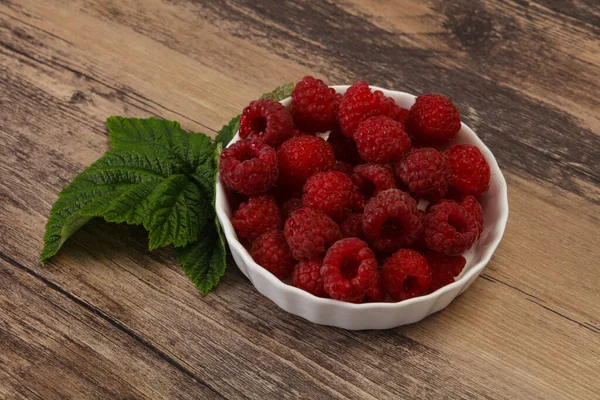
{"points": [[111, 319]]}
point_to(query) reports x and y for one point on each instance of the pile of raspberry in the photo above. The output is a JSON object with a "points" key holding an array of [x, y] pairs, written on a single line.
{"points": [[353, 197]]}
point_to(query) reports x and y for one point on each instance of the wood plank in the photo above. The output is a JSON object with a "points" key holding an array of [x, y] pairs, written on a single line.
{"points": [[52, 348], [517, 333]]}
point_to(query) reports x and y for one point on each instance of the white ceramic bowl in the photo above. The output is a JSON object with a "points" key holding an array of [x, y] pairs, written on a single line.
{"points": [[378, 315]]}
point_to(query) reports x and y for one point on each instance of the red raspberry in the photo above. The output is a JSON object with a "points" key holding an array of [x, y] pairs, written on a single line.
{"points": [[433, 120], [359, 103], [314, 105], [303, 156], [344, 148], [266, 120], [472, 206], [381, 140], [449, 228], [352, 226], [307, 276], [289, 206], [470, 170], [372, 179], [271, 251], [443, 268], [348, 270], [256, 216], [406, 274], [309, 232], [425, 173], [401, 114], [391, 220], [343, 167], [376, 291], [331, 192], [250, 167]]}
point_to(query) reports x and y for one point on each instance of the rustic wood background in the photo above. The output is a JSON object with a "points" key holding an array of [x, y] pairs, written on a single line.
{"points": [[107, 319]]}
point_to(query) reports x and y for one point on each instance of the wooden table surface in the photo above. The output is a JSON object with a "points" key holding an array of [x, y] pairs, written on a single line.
{"points": [[108, 319]]}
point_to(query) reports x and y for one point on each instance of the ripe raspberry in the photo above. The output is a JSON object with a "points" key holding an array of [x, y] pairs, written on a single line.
{"points": [[376, 291], [406, 274], [359, 104], [256, 216], [314, 105], [331, 192], [343, 167], [425, 173], [307, 276], [381, 140], [289, 206], [449, 228], [266, 120], [303, 156], [391, 220], [401, 114], [443, 268], [433, 120], [348, 270], [271, 251], [309, 232], [372, 179], [250, 167], [473, 207], [470, 170], [352, 226], [344, 147]]}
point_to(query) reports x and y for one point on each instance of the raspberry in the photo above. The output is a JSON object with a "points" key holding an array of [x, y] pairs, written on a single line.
{"points": [[470, 170], [256, 216], [307, 276], [331, 192], [348, 270], [406, 274], [291, 205], [425, 173], [381, 140], [314, 105], [352, 226], [359, 103], [443, 268], [391, 220], [303, 156], [343, 167], [372, 179], [309, 232], [376, 291], [449, 228], [266, 120], [401, 114], [250, 167], [433, 120], [473, 207], [344, 148], [271, 251]]}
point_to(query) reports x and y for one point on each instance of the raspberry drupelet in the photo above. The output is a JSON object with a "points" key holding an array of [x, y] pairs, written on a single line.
{"points": [[406, 274], [310, 232], [250, 167], [271, 251], [348, 270], [266, 120], [307, 276], [331, 192], [256, 216], [352, 226], [314, 105], [391, 220]]}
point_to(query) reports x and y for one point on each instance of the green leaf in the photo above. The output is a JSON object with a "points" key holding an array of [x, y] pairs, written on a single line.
{"points": [[282, 92], [151, 134], [228, 131], [178, 210], [205, 260]]}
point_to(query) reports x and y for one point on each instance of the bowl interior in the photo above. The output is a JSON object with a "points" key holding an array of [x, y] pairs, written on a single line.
{"points": [[495, 211]]}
